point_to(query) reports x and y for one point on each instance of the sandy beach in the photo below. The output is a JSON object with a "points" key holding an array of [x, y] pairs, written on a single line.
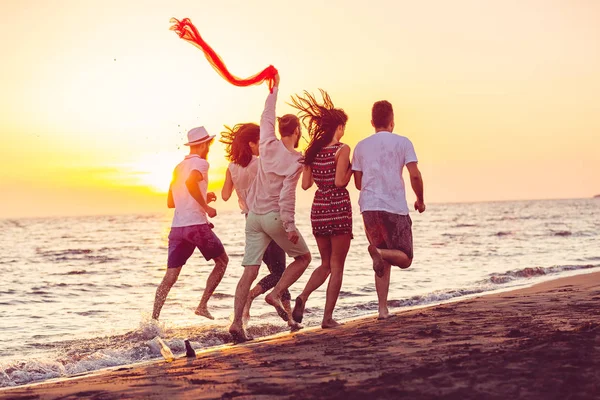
{"points": [[541, 342]]}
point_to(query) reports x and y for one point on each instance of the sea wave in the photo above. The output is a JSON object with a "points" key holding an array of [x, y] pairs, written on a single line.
{"points": [[532, 272], [72, 357]]}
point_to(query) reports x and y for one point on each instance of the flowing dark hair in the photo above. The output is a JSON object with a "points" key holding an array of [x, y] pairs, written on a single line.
{"points": [[321, 121], [237, 142]]}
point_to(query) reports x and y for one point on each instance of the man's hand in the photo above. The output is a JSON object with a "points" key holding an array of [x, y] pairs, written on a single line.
{"points": [[210, 197], [293, 236], [276, 82], [420, 206], [211, 212]]}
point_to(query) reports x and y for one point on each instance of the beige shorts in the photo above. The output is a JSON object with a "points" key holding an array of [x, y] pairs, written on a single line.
{"points": [[260, 230]]}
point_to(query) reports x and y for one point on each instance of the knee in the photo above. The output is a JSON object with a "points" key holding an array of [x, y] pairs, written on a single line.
{"points": [[223, 259], [169, 280], [305, 259], [250, 273]]}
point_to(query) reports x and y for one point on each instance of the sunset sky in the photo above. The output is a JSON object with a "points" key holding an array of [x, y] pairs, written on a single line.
{"points": [[500, 98]]}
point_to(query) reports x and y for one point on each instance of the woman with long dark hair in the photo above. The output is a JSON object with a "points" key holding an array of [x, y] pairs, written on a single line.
{"points": [[241, 147], [326, 163]]}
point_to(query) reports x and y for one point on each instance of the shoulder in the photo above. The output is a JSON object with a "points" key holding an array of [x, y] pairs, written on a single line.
{"points": [[343, 148], [198, 163], [360, 145], [399, 140]]}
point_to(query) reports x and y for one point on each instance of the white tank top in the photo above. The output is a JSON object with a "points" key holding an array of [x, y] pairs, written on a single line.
{"points": [[242, 180]]}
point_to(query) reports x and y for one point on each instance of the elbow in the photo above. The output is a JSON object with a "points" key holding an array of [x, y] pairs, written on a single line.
{"points": [[341, 183], [225, 195], [306, 186]]}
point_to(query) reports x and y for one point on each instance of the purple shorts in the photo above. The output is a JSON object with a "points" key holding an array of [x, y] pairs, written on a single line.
{"points": [[389, 231], [184, 240]]}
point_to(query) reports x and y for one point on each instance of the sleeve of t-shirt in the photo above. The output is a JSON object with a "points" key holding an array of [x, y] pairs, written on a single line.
{"points": [[201, 165], [357, 159], [409, 153]]}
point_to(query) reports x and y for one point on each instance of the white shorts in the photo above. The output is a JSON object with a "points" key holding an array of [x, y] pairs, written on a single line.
{"points": [[260, 230]]}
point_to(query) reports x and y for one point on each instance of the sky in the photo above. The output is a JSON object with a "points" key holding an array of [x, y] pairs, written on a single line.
{"points": [[501, 99]]}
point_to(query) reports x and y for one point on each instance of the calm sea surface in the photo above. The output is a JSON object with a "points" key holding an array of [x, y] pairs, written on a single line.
{"points": [[76, 293]]}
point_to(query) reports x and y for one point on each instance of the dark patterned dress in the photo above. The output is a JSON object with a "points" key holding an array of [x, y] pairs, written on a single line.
{"points": [[331, 212]]}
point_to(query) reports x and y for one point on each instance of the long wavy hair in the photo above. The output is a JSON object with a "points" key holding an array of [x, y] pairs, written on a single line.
{"points": [[321, 121], [237, 142]]}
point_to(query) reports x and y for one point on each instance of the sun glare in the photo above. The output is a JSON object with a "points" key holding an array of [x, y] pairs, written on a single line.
{"points": [[154, 171]]}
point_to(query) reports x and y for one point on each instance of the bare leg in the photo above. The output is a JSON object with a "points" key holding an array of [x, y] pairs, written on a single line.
{"points": [[291, 275], [317, 278], [254, 293], [163, 290], [211, 284], [339, 250], [382, 285], [396, 257], [241, 296]]}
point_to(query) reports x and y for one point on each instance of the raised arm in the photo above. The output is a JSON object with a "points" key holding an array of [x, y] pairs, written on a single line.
{"points": [[416, 181], [227, 186], [307, 178], [267, 119], [191, 183], [343, 169]]}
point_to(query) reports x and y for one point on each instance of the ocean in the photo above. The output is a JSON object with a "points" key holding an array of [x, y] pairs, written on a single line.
{"points": [[76, 293]]}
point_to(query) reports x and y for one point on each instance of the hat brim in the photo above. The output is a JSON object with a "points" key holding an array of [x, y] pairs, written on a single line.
{"points": [[203, 140]]}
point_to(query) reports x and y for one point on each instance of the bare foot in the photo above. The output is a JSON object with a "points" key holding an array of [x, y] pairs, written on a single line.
{"points": [[203, 312], [294, 326], [383, 314], [276, 302], [378, 262], [330, 323], [238, 334], [298, 312]]}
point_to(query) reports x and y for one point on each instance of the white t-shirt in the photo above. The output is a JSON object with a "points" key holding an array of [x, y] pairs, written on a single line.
{"points": [[242, 178], [187, 210], [279, 169], [381, 157]]}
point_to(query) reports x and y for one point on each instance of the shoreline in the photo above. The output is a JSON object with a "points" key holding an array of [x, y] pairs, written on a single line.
{"points": [[361, 357]]}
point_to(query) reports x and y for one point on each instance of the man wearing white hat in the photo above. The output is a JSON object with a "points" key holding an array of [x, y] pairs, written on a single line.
{"points": [[190, 228]]}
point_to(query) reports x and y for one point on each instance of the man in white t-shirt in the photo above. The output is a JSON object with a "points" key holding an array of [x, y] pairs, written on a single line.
{"points": [[190, 228], [378, 163]]}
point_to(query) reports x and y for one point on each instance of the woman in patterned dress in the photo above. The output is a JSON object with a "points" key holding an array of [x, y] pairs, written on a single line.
{"points": [[242, 151], [326, 163]]}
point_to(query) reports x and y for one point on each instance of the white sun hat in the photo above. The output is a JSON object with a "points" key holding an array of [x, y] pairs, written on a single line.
{"points": [[198, 135]]}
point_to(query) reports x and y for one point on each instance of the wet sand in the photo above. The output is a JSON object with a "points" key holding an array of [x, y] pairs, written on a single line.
{"points": [[541, 342]]}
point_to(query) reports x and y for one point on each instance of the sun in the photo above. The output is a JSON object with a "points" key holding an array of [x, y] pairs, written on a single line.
{"points": [[154, 170]]}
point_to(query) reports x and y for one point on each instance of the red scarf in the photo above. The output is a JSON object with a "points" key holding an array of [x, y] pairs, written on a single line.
{"points": [[188, 32]]}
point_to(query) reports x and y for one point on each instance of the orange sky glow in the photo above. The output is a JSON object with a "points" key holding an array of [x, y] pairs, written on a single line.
{"points": [[500, 98]]}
